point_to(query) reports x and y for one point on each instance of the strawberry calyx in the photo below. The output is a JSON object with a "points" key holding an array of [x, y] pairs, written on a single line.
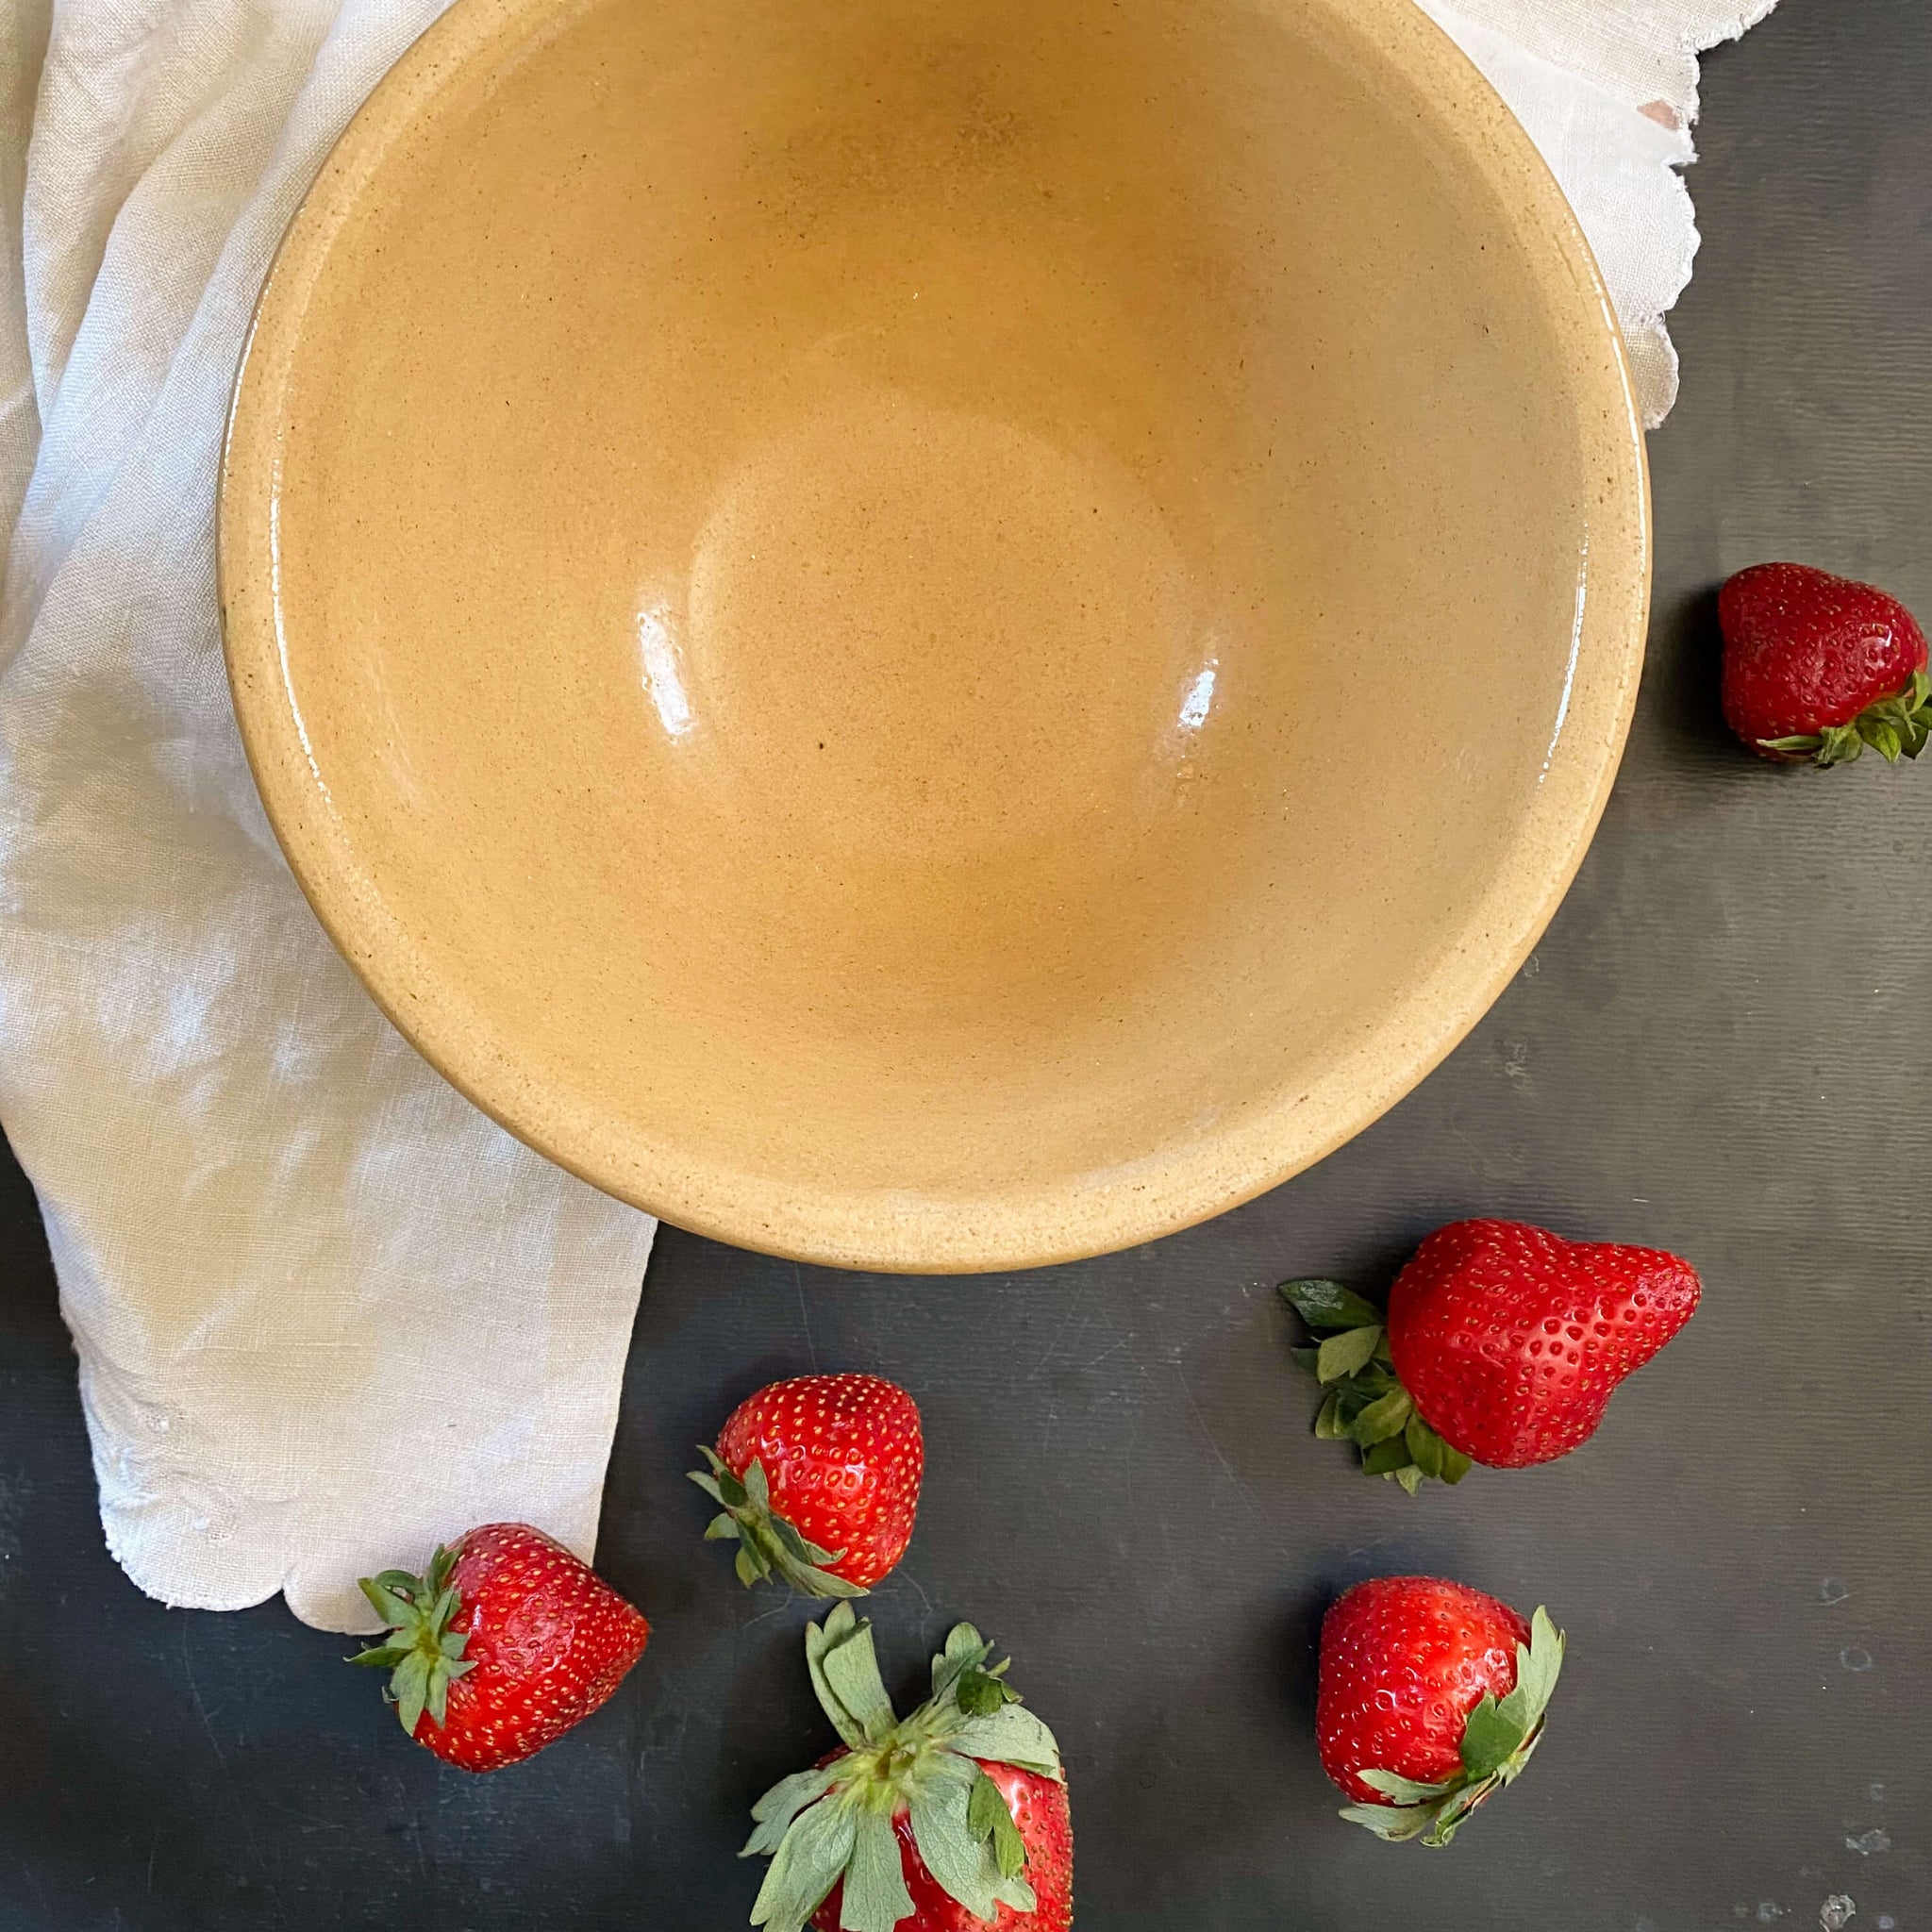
{"points": [[767, 1544], [1499, 1737], [834, 1825], [1365, 1402], [422, 1653], [1894, 728]]}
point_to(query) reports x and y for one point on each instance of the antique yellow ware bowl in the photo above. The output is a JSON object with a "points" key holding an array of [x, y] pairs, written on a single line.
{"points": [[934, 636]]}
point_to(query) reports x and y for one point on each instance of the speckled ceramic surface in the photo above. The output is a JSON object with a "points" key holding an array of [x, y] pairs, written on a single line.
{"points": [[929, 637]]}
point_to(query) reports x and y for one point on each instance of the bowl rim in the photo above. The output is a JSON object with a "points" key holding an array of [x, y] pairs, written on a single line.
{"points": [[1259, 1146]]}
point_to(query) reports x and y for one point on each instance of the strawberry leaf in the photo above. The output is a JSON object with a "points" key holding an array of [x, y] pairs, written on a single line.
{"points": [[1343, 1353], [1403, 1791], [961, 1864], [981, 1692], [876, 1898], [1325, 1304], [1538, 1666], [395, 1608], [1386, 1457], [965, 1649], [411, 1688], [1881, 734], [839, 1654], [773, 1812], [1387, 1416], [988, 1820], [1395, 1822], [809, 1862], [1011, 1736], [1490, 1738]]}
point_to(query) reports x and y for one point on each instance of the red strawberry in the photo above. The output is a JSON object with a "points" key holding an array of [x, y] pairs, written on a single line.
{"points": [[1038, 1806], [506, 1643], [951, 1822], [1818, 667], [1430, 1699], [1502, 1344], [818, 1481]]}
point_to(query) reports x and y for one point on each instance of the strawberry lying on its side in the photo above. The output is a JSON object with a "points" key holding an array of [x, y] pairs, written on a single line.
{"points": [[1502, 1344], [953, 1821], [1818, 667], [1430, 1699], [817, 1479], [502, 1646]]}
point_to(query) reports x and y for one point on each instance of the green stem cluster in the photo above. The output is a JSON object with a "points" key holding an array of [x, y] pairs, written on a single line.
{"points": [[1896, 727], [1364, 1402]]}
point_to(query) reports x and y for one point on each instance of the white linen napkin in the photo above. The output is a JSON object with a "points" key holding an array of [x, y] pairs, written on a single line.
{"points": [[325, 1311]]}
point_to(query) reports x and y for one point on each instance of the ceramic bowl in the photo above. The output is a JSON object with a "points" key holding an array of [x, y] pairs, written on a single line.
{"points": [[934, 638]]}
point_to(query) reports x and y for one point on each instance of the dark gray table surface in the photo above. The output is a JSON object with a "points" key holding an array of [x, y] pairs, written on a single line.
{"points": [[1719, 1047]]}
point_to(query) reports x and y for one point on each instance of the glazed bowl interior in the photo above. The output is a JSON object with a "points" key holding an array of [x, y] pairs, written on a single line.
{"points": [[934, 637]]}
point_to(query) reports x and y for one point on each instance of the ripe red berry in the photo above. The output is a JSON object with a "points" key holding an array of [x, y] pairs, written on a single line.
{"points": [[1817, 667], [503, 1644], [1430, 1698], [817, 1479], [1501, 1345]]}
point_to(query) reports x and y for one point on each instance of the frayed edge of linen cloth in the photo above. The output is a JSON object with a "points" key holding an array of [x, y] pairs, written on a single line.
{"points": [[1609, 92]]}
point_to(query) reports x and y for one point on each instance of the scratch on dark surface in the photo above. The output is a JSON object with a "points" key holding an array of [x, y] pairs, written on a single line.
{"points": [[200, 1708], [1044, 1360], [913, 1583], [1374, 1542], [811, 1347], [1227, 1468], [27, 1873], [1114, 1347], [153, 1853], [244, 1812], [308, 1822]]}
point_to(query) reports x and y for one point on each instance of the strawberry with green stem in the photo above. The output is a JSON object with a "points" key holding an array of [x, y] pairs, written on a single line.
{"points": [[505, 1642], [817, 1481], [952, 1818], [1429, 1700], [1816, 668], [1500, 1343]]}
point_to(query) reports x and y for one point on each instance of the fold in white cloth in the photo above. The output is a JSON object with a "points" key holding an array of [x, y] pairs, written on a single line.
{"points": [[325, 1311]]}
